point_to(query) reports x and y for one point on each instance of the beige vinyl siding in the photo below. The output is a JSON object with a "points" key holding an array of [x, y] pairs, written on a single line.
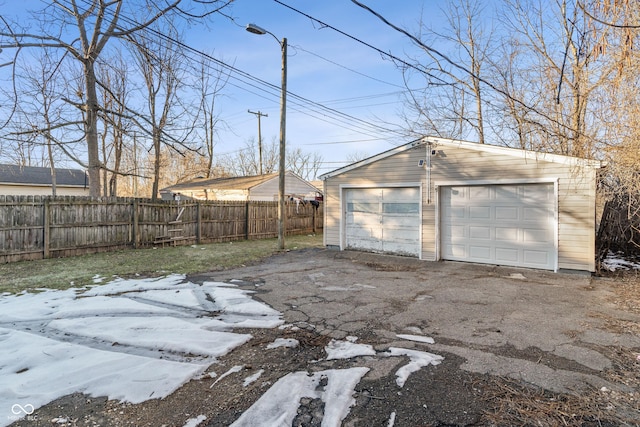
{"points": [[453, 164]]}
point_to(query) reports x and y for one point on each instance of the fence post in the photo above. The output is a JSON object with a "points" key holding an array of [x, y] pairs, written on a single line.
{"points": [[313, 218], [135, 231], [198, 223], [46, 228], [246, 221]]}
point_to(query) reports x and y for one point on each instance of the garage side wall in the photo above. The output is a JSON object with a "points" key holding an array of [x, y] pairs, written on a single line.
{"points": [[401, 168], [575, 187]]}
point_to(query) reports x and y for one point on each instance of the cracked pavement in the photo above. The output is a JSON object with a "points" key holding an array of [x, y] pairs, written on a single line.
{"points": [[539, 327]]}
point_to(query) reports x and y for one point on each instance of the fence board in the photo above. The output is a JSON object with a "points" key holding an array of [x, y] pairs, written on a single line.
{"points": [[35, 227]]}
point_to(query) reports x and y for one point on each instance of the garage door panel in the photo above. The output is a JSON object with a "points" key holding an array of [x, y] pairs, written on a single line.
{"points": [[506, 234], [507, 213], [477, 192], [383, 220], [476, 232], [540, 258], [507, 255], [501, 224], [480, 252], [536, 214], [536, 236], [479, 212]]}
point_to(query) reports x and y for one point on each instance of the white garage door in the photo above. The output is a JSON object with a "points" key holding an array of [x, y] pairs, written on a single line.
{"points": [[499, 224], [385, 220]]}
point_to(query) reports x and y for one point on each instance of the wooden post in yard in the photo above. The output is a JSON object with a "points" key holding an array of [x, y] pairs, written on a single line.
{"points": [[198, 223], [135, 232], [246, 221], [46, 228]]}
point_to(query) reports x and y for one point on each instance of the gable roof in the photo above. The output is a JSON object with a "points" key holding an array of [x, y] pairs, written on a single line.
{"points": [[229, 183], [445, 142], [30, 175]]}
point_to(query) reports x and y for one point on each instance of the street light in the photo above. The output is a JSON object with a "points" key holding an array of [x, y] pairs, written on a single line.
{"points": [[254, 29]]}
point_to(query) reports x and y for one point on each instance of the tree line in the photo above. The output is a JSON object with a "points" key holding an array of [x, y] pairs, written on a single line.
{"points": [[557, 76], [111, 86]]}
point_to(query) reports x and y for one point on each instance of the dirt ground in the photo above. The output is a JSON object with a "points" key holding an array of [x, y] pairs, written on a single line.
{"points": [[520, 347]]}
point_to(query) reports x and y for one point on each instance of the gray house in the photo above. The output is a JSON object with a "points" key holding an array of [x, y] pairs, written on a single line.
{"points": [[245, 188], [442, 199], [30, 181]]}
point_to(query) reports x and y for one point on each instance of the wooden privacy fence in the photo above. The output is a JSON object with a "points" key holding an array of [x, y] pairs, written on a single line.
{"points": [[35, 227]]}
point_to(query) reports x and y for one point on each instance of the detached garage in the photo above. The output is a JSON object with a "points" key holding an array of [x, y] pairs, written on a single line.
{"points": [[441, 199]]}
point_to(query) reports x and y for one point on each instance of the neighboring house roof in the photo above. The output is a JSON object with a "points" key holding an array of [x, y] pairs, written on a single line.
{"points": [[29, 175], [229, 183], [444, 142]]}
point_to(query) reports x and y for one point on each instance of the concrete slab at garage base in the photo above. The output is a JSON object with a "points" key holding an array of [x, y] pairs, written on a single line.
{"points": [[547, 329]]}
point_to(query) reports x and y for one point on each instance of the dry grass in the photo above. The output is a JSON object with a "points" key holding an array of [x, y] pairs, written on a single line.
{"points": [[519, 405], [516, 404], [63, 273]]}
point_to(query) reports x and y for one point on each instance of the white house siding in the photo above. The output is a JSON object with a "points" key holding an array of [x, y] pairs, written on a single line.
{"points": [[37, 190], [463, 166]]}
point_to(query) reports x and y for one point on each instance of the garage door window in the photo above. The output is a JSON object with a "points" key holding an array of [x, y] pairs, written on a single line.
{"points": [[401, 208], [365, 207]]}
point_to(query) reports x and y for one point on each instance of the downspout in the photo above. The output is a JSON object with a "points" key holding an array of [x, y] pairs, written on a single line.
{"points": [[429, 152]]}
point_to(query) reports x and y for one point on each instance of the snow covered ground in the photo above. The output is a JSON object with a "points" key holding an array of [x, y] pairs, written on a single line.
{"points": [[616, 261], [135, 340]]}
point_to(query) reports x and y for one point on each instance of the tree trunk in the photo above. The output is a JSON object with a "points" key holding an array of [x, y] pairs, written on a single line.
{"points": [[91, 128]]}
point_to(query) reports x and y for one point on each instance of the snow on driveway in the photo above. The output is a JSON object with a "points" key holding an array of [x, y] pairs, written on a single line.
{"points": [[141, 339]]}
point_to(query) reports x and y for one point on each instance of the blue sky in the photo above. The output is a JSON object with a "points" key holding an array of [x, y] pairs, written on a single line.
{"points": [[323, 66]]}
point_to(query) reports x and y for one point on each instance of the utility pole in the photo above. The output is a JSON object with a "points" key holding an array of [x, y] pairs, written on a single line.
{"points": [[259, 114]]}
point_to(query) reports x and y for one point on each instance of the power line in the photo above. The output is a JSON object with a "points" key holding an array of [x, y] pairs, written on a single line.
{"points": [[321, 112]]}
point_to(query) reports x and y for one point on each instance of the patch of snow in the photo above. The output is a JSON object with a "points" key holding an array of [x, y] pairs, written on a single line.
{"points": [[346, 350], [180, 297], [616, 261], [195, 422], [279, 405], [416, 338], [233, 370], [120, 285], [36, 370], [252, 378], [43, 338], [284, 342], [417, 360], [518, 276], [98, 279], [392, 419], [163, 333]]}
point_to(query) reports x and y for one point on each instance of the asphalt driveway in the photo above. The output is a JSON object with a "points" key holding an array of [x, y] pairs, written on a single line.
{"points": [[375, 340]]}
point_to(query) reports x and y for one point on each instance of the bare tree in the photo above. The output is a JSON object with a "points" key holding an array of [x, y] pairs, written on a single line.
{"points": [[209, 85], [83, 29], [114, 91], [160, 66], [39, 111], [305, 165]]}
